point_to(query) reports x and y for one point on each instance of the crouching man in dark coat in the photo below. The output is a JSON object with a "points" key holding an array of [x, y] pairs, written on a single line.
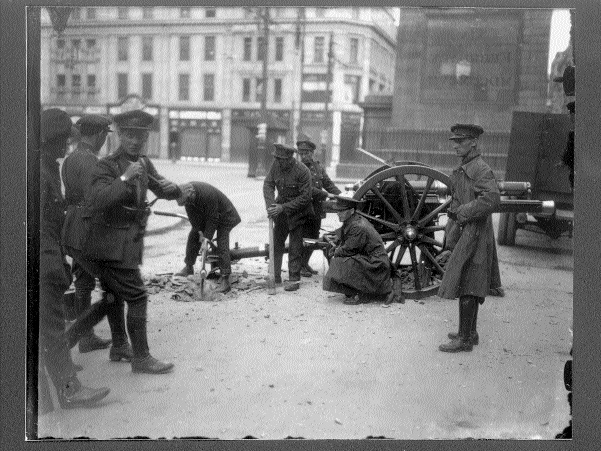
{"points": [[472, 268], [359, 267], [209, 211]]}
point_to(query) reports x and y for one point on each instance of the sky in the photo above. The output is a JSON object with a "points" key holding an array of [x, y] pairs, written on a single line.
{"points": [[560, 33]]}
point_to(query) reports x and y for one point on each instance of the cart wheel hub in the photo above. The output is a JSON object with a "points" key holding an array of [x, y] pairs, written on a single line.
{"points": [[410, 233]]}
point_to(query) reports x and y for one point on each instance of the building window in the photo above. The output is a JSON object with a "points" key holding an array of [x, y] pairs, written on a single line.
{"points": [[147, 48], [123, 13], [210, 12], [320, 12], [122, 87], [122, 48], [246, 90], [90, 43], [354, 51], [209, 48], [147, 86], [258, 89], [60, 43], [91, 13], [75, 14], [184, 13], [260, 49], [277, 90], [61, 81], [248, 44], [352, 84], [184, 87], [279, 49], [147, 13], [76, 82], [318, 49], [184, 48], [209, 87], [91, 82], [76, 43], [356, 13]]}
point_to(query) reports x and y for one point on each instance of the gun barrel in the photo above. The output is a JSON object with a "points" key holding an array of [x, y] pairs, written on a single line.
{"points": [[543, 207]]}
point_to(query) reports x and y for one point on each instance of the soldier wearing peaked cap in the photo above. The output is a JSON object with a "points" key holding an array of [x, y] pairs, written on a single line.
{"points": [[321, 189], [55, 279], [472, 269], [112, 248], [290, 209], [359, 266], [77, 171]]}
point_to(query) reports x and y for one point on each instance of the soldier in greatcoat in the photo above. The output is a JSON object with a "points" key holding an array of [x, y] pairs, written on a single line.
{"points": [[209, 211], [291, 210], [472, 269], [55, 128], [77, 171], [113, 245], [322, 189], [359, 266]]}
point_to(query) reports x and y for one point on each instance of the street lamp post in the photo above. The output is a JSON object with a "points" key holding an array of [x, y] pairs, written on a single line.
{"points": [[262, 128]]}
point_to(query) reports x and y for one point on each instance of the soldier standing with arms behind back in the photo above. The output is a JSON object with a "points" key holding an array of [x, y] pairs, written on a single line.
{"points": [[77, 171], [113, 245], [320, 182], [472, 267], [55, 128], [291, 210]]}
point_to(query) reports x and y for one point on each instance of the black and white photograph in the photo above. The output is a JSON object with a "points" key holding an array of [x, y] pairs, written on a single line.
{"points": [[286, 222]]}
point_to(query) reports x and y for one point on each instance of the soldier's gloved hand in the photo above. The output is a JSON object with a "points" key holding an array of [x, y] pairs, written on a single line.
{"points": [[133, 171], [274, 210]]}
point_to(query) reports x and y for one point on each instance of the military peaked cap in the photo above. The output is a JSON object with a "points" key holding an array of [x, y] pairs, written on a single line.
{"points": [[571, 106], [345, 203], [91, 124], [53, 124], [282, 151], [134, 119], [466, 131], [304, 142]]}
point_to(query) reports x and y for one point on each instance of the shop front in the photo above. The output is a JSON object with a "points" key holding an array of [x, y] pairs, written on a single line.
{"points": [[244, 130], [195, 135]]}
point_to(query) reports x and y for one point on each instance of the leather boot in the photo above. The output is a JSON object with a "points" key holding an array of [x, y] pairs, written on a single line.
{"points": [[474, 333], [120, 350], [143, 362], [188, 270], [86, 321], [464, 341], [224, 284], [89, 341], [72, 394]]}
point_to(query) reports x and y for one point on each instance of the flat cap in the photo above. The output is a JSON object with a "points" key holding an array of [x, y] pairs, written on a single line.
{"points": [[463, 131], [282, 151], [134, 119], [53, 124], [345, 203], [571, 106], [91, 124], [304, 142]]}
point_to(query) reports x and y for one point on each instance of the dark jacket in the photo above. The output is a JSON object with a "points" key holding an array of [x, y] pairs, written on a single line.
{"points": [[115, 233], [53, 266], [294, 192], [77, 171], [320, 182], [211, 209], [360, 261], [568, 157], [472, 267]]}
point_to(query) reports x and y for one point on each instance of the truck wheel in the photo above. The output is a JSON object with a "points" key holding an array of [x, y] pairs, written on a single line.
{"points": [[507, 229]]}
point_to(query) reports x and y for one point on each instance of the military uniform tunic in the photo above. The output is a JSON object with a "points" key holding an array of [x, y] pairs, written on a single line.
{"points": [[472, 267]]}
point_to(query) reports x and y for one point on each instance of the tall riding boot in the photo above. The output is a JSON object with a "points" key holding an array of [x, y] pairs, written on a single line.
{"points": [[85, 321], [474, 332], [120, 350], [453, 335], [224, 284], [142, 361], [89, 341], [464, 341], [277, 267]]}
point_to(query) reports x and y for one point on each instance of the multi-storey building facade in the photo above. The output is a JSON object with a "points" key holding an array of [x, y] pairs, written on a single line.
{"points": [[199, 71]]}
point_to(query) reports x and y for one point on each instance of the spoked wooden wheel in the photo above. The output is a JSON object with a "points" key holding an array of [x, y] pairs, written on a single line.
{"points": [[407, 206]]}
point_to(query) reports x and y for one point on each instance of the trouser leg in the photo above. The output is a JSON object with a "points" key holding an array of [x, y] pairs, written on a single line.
{"points": [[223, 250], [295, 253], [280, 233], [136, 327], [192, 247], [84, 285], [116, 319]]}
